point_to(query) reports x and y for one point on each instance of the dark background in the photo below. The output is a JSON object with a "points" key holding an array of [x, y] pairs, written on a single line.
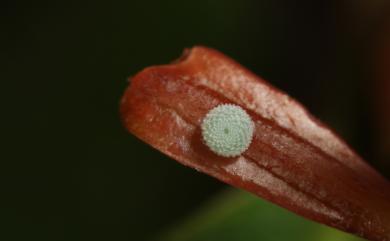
{"points": [[70, 171]]}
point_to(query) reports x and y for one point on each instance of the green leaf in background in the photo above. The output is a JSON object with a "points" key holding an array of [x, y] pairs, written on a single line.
{"points": [[238, 215]]}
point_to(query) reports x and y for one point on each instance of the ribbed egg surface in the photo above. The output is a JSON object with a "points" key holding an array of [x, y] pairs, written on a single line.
{"points": [[227, 130]]}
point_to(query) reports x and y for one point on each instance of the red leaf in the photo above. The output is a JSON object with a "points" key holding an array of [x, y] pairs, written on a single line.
{"points": [[293, 160]]}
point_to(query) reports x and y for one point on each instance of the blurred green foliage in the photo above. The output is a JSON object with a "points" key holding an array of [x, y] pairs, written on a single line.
{"points": [[237, 215], [70, 171]]}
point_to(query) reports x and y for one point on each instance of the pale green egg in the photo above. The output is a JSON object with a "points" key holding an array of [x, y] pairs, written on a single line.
{"points": [[227, 130]]}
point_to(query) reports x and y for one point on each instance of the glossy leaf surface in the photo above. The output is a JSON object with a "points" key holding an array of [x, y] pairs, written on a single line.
{"points": [[293, 160]]}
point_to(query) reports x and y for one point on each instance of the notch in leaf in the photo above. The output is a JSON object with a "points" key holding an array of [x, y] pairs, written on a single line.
{"points": [[293, 159]]}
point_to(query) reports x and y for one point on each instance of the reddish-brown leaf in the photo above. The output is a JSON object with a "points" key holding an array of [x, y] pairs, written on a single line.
{"points": [[293, 161]]}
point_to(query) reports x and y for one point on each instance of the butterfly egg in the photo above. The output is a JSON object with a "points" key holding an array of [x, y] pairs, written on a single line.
{"points": [[227, 130]]}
